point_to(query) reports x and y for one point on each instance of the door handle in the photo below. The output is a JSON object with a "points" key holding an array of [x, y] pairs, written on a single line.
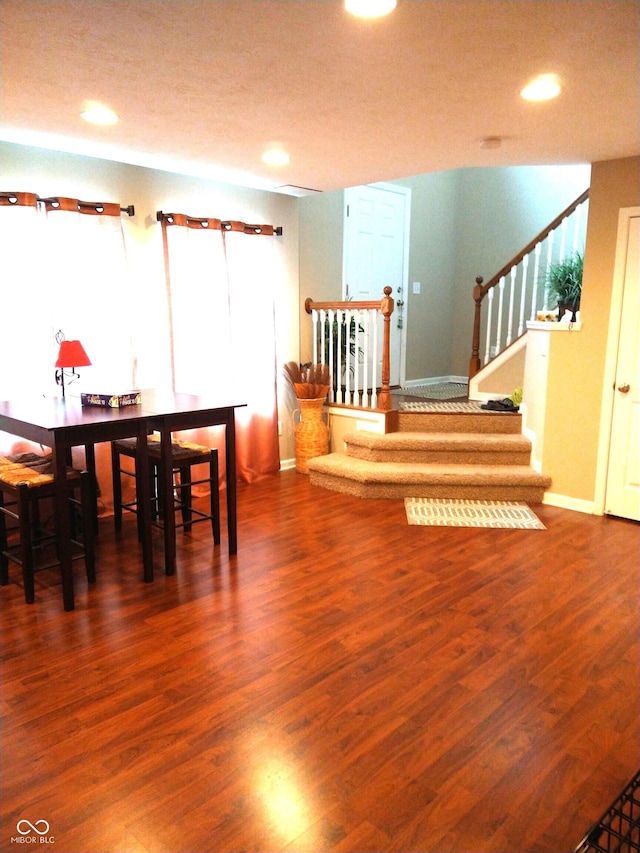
{"points": [[624, 389]]}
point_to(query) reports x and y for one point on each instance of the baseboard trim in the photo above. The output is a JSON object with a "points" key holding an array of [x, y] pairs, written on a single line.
{"points": [[287, 464], [566, 502], [435, 380]]}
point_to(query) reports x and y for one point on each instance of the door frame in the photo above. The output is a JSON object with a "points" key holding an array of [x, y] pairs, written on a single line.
{"points": [[625, 215], [406, 192]]}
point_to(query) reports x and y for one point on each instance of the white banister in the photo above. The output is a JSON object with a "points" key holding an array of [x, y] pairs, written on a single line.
{"points": [[346, 337], [527, 284]]}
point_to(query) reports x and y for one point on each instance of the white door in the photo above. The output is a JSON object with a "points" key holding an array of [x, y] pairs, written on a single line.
{"points": [[623, 473], [376, 255]]}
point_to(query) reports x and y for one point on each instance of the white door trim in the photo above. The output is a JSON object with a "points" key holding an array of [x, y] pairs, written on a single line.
{"points": [[625, 215]]}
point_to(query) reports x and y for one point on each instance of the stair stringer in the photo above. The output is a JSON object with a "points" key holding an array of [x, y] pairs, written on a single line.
{"points": [[502, 375]]}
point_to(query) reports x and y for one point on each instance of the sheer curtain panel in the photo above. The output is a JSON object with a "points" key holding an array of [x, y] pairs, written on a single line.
{"points": [[64, 268], [220, 286]]}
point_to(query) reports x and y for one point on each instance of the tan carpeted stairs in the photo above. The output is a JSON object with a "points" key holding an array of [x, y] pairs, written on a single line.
{"points": [[469, 456]]}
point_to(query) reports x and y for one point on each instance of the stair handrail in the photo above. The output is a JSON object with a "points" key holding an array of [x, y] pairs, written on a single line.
{"points": [[359, 396], [481, 288]]}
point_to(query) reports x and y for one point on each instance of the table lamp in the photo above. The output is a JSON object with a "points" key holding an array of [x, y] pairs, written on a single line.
{"points": [[70, 355]]}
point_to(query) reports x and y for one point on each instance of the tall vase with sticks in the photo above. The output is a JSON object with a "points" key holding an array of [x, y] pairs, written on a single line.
{"points": [[311, 384]]}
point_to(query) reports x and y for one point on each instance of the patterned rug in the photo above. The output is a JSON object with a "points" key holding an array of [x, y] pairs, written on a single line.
{"points": [[426, 406], [440, 391], [442, 512]]}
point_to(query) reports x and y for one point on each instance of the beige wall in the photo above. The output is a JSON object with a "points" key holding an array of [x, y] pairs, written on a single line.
{"points": [[577, 361], [321, 224], [464, 222], [432, 250], [26, 169], [500, 210]]}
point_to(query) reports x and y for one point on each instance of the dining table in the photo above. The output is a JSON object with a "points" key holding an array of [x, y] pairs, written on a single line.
{"points": [[62, 423]]}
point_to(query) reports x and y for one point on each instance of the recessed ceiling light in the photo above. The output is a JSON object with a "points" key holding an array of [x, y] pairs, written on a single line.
{"points": [[542, 88], [275, 157], [99, 114], [370, 8]]}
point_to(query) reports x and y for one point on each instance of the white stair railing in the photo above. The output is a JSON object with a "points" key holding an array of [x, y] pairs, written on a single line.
{"points": [[520, 284], [352, 338]]}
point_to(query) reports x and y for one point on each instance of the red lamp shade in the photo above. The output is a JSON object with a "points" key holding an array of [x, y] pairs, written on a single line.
{"points": [[72, 354]]}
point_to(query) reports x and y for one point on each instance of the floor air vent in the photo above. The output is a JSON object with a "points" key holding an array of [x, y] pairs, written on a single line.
{"points": [[618, 830]]}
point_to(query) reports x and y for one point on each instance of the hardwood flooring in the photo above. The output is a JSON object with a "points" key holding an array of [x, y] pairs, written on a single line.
{"points": [[346, 683]]}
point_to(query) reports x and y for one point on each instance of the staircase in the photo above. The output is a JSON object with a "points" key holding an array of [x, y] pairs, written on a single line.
{"points": [[468, 454]]}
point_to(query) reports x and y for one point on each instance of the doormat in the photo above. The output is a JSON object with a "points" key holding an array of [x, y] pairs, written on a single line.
{"points": [[443, 512], [438, 391], [434, 406]]}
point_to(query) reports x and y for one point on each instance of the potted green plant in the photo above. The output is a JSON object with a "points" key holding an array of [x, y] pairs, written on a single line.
{"points": [[564, 283]]}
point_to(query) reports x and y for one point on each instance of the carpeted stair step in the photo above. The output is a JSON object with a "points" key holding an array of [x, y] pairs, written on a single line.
{"points": [[448, 448], [367, 479], [473, 419]]}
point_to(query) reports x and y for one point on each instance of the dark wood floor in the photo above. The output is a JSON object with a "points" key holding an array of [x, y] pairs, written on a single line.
{"points": [[347, 683]]}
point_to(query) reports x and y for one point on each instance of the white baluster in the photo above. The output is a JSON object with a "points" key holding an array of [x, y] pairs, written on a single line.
{"points": [[337, 349], [512, 291], [536, 272], [347, 372], [327, 344], [366, 322], [523, 293], [487, 353], [374, 361], [501, 285], [354, 356], [549, 261], [314, 322]]}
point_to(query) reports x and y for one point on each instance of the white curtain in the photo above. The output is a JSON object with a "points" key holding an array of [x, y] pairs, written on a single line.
{"points": [[221, 295], [63, 269], [27, 349], [88, 282]]}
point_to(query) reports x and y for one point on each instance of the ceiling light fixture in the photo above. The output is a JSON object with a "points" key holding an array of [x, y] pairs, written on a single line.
{"points": [[275, 157], [542, 88], [370, 8], [99, 114]]}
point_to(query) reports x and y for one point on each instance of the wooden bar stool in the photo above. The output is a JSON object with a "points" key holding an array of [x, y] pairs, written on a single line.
{"points": [[25, 480], [184, 455]]}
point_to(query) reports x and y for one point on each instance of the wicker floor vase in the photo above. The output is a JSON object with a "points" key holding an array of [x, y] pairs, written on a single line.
{"points": [[311, 433]]}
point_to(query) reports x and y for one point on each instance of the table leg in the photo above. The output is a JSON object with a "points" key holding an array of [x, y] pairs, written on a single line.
{"points": [[63, 523], [90, 457], [143, 500], [230, 451], [169, 520]]}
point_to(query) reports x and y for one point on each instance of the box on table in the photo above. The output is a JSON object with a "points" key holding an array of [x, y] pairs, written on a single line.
{"points": [[113, 401]]}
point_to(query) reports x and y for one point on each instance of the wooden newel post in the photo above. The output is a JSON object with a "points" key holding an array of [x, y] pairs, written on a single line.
{"points": [[386, 309], [478, 296]]}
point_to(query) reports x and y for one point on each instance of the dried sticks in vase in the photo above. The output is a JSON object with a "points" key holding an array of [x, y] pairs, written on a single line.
{"points": [[309, 381]]}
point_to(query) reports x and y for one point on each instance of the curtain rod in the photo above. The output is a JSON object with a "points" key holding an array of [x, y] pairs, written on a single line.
{"points": [[96, 205], [12, 198], [225, 224]]}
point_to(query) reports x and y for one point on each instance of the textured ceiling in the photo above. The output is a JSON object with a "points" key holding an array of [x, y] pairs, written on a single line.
{"points": [[204, 86]]}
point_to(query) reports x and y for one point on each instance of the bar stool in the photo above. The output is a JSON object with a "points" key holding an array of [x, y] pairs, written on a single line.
{"points": [[25, 480], [184, 455]]}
